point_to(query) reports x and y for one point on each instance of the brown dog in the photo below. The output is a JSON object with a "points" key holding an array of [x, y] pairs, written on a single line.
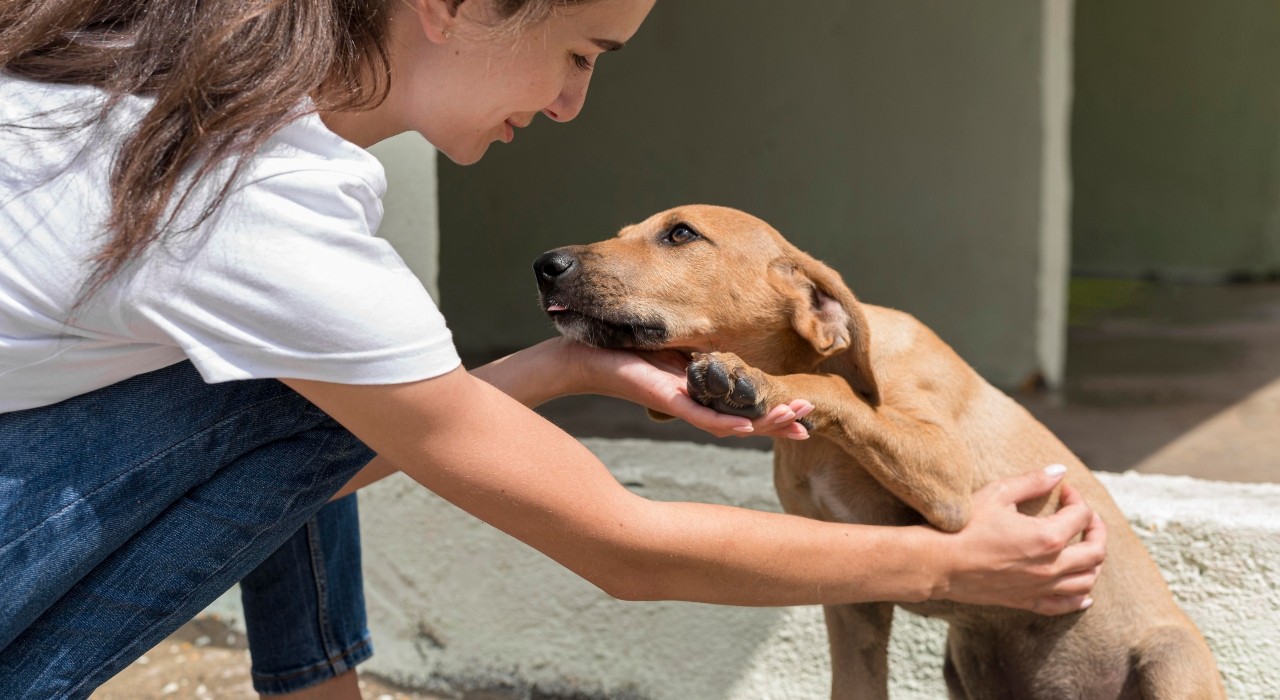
{"points": [[909, 432]]}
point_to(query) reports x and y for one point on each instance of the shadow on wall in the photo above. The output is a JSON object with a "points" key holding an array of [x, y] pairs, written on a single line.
{"points": [[1171, 379], [1175, 150]]}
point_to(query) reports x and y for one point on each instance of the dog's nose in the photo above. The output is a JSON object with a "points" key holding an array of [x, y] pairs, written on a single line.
{"points": [[553, 264]]}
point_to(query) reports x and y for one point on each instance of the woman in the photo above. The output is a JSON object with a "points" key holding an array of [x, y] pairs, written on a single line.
{"points": [[201, 342]]}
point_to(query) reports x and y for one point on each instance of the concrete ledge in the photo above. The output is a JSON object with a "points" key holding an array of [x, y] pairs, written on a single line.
{"points": [[457, 606]]}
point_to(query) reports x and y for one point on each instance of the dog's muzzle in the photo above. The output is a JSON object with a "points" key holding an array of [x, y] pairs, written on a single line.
{"points": [[579, 313]]}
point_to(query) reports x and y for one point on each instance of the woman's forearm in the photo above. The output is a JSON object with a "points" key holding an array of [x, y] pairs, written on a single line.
{"points": [[533, 375], [471, 444], [726, 555]]}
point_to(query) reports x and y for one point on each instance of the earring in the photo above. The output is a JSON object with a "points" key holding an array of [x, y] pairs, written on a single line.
{"points": [[447, 34]]}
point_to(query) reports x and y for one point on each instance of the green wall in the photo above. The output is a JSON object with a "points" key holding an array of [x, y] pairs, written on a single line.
{"points": [[1176, 138], [901, 141]]}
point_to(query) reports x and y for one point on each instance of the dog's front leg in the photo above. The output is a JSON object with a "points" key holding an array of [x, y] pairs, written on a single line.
{"points": [[914, 459], [859, 639]]}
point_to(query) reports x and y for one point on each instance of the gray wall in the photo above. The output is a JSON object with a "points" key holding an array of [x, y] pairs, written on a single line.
{"points": [[1176, 138], [904, 142], [411, 211]]}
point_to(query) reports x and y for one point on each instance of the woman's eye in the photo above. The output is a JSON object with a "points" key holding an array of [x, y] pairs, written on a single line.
{"points": [[679, 234], [582, 62]]}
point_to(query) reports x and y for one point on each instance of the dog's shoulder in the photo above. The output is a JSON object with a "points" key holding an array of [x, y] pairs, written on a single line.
{"points": [[895, 332], [911, 361]]}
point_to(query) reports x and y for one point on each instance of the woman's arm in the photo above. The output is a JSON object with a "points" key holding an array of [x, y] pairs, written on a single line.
{"points": [[559, 367], [488, 454]]}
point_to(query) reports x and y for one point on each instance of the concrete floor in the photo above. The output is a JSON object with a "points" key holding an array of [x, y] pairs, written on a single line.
{"points": [[1160, 378], [208, 660]]}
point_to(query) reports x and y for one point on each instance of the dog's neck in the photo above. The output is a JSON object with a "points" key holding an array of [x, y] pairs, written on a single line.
{"points": [[784, 353]]}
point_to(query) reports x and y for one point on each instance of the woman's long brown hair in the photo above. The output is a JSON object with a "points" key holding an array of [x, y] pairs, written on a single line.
{"points": [[225, 75]]}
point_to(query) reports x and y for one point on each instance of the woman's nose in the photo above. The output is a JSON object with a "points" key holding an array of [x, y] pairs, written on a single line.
{"points": [[569, 102]]}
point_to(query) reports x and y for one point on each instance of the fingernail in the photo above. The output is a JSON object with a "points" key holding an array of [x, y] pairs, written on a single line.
{"points": [[784, 418], [1055, 470], [1088, 601], [804, 411], [743, 429]]}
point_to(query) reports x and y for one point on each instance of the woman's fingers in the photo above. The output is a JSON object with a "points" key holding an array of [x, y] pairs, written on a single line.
{"points": [[1078, 584], [657, 380], [1013, 490], [1074, 518], [779, 422], [1087, 554], [1060, 605], [782, 421], [1044, 564]]}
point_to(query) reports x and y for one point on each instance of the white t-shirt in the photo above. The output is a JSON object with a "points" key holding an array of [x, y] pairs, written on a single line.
{"points": [[285, 280]]}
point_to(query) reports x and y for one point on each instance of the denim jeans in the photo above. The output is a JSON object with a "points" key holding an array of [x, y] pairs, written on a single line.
{"points": [[125, 511]]}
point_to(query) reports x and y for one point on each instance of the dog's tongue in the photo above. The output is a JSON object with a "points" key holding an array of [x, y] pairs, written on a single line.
{"points": [[556, 307]]}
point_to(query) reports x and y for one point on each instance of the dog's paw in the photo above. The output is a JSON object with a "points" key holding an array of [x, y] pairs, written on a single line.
{"points": [[722, 381]]}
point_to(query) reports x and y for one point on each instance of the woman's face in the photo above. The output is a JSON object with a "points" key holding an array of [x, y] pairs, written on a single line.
{"points": [[463, 84]]}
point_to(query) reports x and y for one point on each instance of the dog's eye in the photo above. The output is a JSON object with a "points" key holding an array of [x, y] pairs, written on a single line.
{"points": [[679, 234]]}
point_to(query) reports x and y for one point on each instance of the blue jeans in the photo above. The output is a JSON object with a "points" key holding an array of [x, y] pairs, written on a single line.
{"points": [[125, 511]]}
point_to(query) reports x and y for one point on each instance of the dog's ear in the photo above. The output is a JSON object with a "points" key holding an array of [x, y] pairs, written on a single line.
{"points": [[828, 316]]}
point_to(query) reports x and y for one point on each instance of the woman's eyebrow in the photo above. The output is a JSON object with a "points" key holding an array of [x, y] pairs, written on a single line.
{"points": [[608, 44]]}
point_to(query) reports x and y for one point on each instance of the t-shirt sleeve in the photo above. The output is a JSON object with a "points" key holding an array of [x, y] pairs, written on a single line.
{"points": [[288, 280]]}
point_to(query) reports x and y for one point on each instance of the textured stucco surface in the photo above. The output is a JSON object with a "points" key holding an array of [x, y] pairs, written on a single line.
{"points": [[456, 605]]}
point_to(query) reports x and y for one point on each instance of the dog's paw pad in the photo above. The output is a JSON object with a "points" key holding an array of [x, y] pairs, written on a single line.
{"points": [[722, 382]]}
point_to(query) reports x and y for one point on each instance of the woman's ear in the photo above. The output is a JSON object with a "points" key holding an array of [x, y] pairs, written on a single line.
{"points": [[437, 18], [828, 316]]}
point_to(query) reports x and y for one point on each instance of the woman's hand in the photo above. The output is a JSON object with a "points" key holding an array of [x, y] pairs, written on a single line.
{"points": [[1003, 557], [656, 380]]}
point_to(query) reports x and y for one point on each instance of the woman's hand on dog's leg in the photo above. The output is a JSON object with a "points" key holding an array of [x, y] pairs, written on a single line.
{"points": [[1003, 557]]}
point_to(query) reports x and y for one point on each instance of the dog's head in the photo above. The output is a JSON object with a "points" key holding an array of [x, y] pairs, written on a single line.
{"points": [[703, 278]]}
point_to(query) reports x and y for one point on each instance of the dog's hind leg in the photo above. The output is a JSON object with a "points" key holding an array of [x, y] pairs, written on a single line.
{"points": [[1175, 663], [859, 638]]}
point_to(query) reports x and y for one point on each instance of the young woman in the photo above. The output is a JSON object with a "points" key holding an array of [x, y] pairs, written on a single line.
{"points": [[202, 342]]}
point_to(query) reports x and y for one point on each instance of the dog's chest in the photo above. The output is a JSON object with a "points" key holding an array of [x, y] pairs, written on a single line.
{"points": [[818, 480]]}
